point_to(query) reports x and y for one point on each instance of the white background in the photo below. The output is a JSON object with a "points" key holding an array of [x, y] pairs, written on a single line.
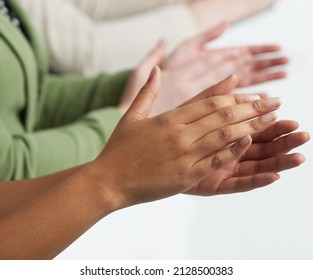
{"points": [[271, 223]]}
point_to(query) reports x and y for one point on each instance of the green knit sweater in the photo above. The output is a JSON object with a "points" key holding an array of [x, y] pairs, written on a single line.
{"points": [[48, 123]]}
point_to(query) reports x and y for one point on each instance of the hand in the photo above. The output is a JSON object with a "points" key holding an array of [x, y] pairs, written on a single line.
{"points": [[216, 64], [151, 158], [192, 68], [259, 166]]}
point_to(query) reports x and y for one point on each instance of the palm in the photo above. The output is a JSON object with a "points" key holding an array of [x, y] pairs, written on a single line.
{"points": [[216, 64]]}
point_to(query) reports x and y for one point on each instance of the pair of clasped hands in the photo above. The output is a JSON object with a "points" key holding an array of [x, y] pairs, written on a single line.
{"points": [[215, 143]]}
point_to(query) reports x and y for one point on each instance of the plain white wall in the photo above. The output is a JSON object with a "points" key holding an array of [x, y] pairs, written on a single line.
{"points": [[271, 223]]}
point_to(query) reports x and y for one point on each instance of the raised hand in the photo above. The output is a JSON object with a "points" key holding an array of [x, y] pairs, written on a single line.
{"points": [[192, 68], [260, 165], [252, 64], [261, 66], [152, 158]]}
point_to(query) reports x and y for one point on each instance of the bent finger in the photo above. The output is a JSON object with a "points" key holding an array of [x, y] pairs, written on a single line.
{"points": [[207, 165]]}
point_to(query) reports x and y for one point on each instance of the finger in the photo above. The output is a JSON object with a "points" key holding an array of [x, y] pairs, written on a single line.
{"points": [[156, 56], [217, 72], [262, 77], [222, 88], [267, 63], [225, 136], [211, 34], [142, 105], [255, 50], [280, 146], [193, 112], [208, 165], [207, 122], [274, 164], [247, 183], [276, 130]]}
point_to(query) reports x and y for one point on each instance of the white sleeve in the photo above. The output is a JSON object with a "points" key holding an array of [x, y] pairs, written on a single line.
{"points": [[111, 9], [80, 45]]}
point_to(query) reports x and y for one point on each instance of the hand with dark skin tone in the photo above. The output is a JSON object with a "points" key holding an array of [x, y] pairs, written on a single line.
{"points": [[191, 68], [146, 159]]}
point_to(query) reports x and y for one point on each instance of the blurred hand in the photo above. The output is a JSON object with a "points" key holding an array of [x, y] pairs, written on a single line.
{"points": [[259, 166], [217, 64], [192, 68]]}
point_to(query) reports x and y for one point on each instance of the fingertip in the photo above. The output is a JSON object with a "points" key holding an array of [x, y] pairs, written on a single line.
{"points": [[231, 81], [245, 141], [298, 159], [276, 177], [154, 73], [263, 95], [308, 136]]}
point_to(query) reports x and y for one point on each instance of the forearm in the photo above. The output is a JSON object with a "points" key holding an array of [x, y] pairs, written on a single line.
{"points": [[15, 194], [209, 13], [51, 222]]}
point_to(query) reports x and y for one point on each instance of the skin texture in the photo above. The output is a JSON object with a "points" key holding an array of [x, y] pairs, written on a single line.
{"points": [[128, 172], [192, 67]]}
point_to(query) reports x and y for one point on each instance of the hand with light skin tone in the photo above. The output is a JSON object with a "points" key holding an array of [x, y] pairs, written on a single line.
{"points": [[146, 159], [192, 67]]}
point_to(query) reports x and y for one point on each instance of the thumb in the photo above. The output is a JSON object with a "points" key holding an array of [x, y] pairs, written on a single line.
{"points": [[155, 57], [224, 87], [142, 105], [213, 33]]}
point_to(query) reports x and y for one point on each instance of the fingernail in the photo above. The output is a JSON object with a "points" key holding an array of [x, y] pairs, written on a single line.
{"points": [[308, 136], [269, 117], [272, 102], [252, 97], [244, 141]]}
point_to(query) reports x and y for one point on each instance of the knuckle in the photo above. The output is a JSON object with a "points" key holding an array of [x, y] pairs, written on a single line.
{"points": [[254, 125], [211, 103], [182, 147], [165, 120], [238, 99], [225, 134], [215, 162], [258, 106], [226, 114], [183, 177]]}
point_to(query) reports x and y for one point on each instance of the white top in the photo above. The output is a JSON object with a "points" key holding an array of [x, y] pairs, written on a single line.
{"points": [[80, 44]]}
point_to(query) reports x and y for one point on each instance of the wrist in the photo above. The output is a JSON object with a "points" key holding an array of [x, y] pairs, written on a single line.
{"points": [[104, 186]]}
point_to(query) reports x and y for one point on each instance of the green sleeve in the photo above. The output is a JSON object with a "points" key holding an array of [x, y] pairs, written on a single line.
{"points": [[28, 155], [65, 99]]}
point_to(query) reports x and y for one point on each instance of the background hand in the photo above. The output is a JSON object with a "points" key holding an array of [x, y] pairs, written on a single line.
{"points": [[192, 68]]}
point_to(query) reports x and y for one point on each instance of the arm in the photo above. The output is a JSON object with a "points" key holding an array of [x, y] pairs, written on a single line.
{"points": [[65, 99], [209, 13], [15, 194], [112, 9], [120, 178], [28, 155]]}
